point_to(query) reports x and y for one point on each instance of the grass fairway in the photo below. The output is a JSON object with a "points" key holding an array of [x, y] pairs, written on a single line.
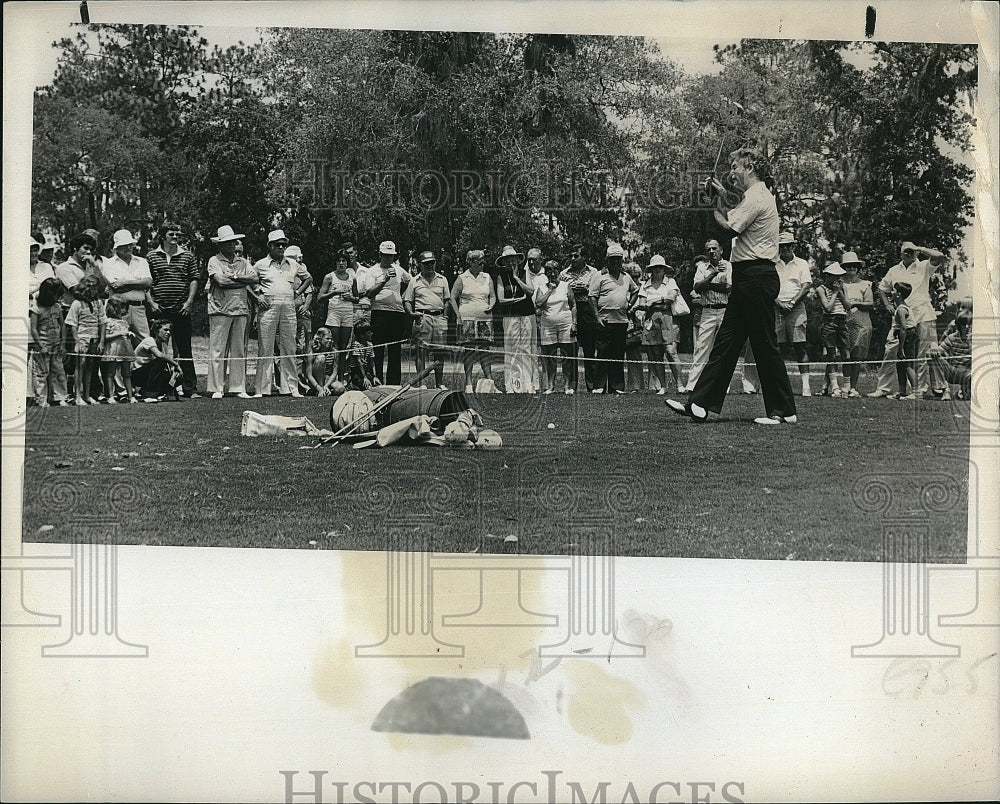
{"points": [[181, 474]]}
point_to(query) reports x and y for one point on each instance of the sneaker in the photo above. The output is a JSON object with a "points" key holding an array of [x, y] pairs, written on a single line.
{"points": [[244, 395], [836, 393], [620, 392], [441, 387], [806, 392], [570, 391], [547, 391], [92, 401], [853, 393], [776, 419], [64, 403], [41, 404], [180, 392], [112, 401], [945, 397], [258, 396], [749, 389], [150, 399], [194, 395], [663, 392], [217, 395], [878, 395], [597, 391], [296, 394], [133, 401], [907, 397]]}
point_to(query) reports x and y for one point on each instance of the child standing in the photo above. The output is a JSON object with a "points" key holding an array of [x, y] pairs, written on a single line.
{"points": [[118, 351], [835, 305], [909, 341], [46, 321], [86, 321]]}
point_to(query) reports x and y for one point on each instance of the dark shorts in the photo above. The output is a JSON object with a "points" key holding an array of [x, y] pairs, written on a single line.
{"points": [[835, 332]]}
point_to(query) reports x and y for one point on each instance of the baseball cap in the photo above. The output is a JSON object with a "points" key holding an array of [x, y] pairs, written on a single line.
{"points": [[387, 247], [275, 236], [614, 250]]}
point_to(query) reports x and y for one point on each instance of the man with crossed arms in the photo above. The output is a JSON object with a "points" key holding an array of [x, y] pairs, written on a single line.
{"points": [[790, 306], [712, 281]]}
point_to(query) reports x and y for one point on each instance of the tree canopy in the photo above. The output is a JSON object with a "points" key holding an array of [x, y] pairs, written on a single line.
{"points": [[451, 140]]}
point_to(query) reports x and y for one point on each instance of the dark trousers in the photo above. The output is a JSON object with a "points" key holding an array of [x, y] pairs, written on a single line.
{"points": [[568, 364], [152, 379], [749, 314], [586, 337], [609, 370], [181, 338], [388, 326]]}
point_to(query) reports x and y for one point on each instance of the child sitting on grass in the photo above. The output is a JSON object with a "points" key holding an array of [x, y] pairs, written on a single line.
{"points": [[118, 351], [48, 375], [909, 341], [361, 362], [317, 364], [86, 321]]}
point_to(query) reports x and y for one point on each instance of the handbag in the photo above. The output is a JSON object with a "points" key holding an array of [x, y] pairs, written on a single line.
{"points": [[679, 306]]}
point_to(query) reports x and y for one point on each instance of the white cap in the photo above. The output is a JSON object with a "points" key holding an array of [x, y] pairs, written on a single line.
{"points": [[123, 237], [614, 250], [276, 235], [293, 251], [387, 247], [657, 260]]}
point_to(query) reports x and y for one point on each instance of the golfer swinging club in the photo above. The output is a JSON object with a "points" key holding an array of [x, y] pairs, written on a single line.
{"points": [[750, 311]]}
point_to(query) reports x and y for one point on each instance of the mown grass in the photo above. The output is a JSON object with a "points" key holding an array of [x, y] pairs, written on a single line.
{"points": [[620, 474]]}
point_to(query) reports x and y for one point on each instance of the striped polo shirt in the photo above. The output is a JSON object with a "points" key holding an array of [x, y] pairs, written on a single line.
{"points": [[172, 276]]}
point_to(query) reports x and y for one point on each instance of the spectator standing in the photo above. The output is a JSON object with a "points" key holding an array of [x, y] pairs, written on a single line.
{"points": [[908, 336], [473, 298], [276, 276], [579, 276], [655, 300], [611, 293], [48, 373], [38, 271], [834, 300], [712, 282], [790, 313], [916, 273], [860, 300], [556, 304], [229, 276], [383, 285], [340, 291], [175, 277], [514, 294], [425, 300]]}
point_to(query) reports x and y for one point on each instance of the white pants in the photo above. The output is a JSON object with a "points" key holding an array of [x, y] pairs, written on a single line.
{"points": [[278, 320], [887, 384], [520, 365], [711, 320], [226, 353]]}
